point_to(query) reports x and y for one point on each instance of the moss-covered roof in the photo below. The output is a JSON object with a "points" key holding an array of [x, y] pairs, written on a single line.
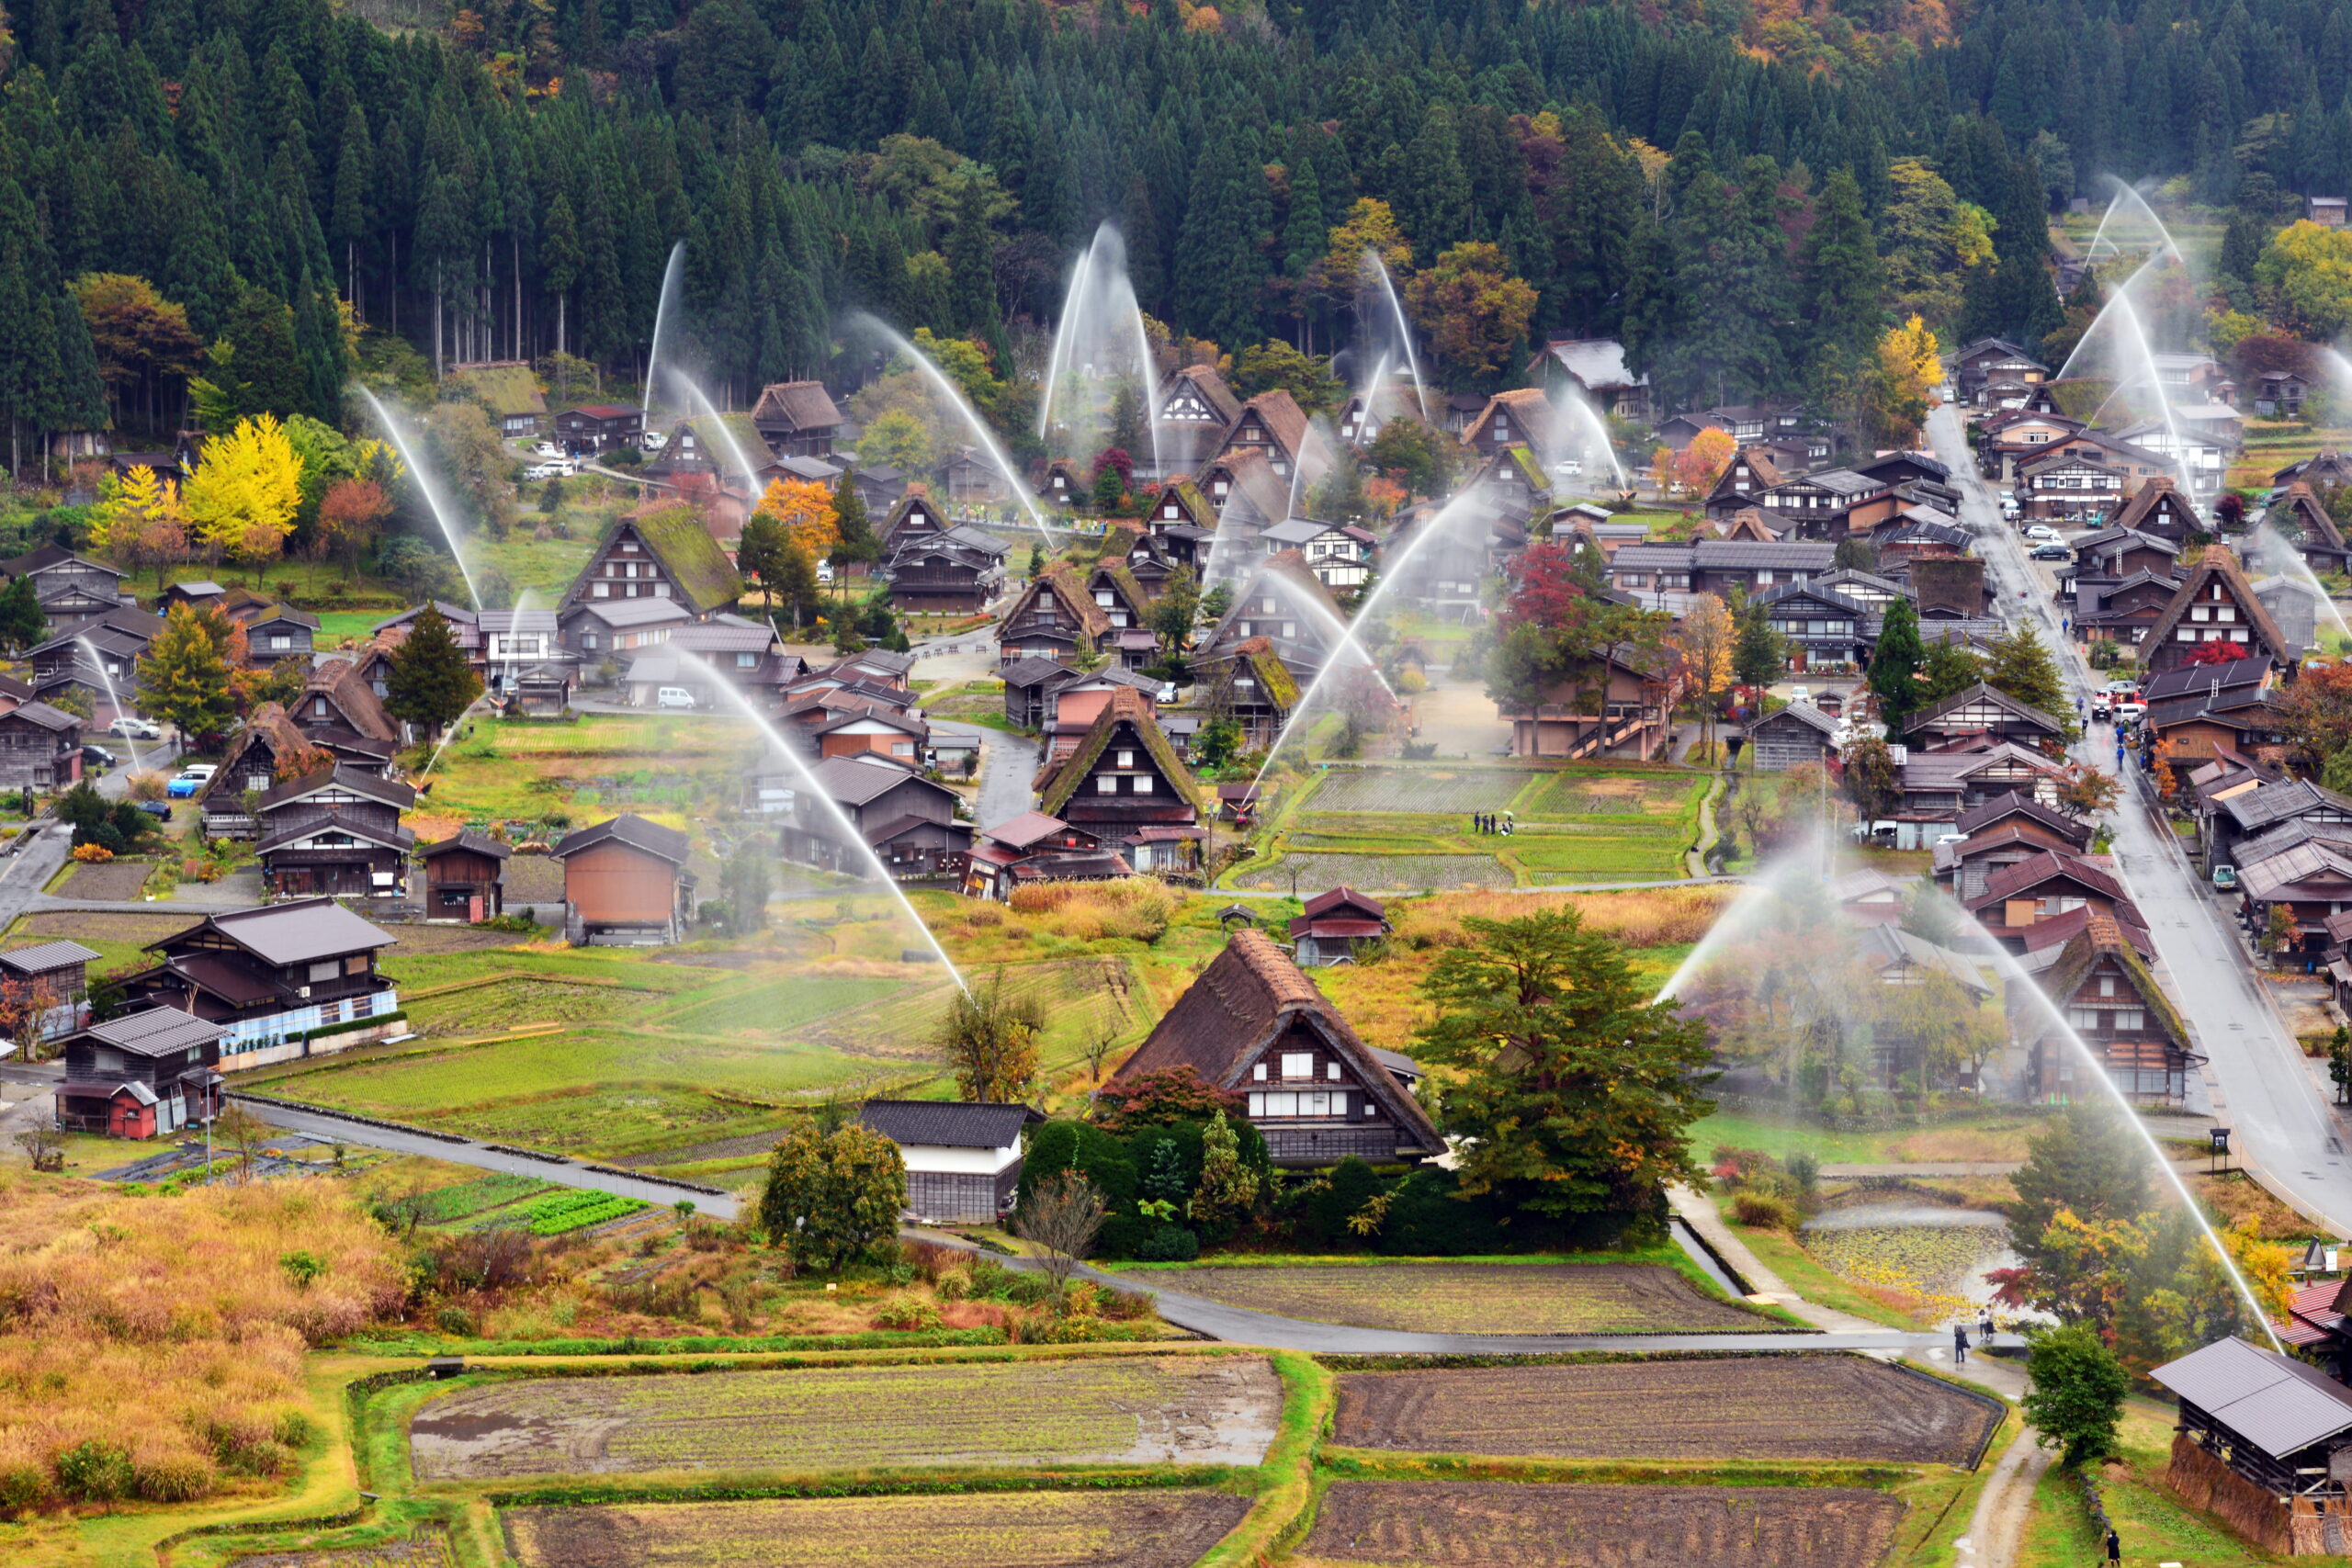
{"points": [[2102, 938], [1126, 706], [503, 388], [1537, 480], [678, 541]]}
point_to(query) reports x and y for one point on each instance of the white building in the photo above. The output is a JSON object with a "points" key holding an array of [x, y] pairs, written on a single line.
{"points": [[963, 1161]]}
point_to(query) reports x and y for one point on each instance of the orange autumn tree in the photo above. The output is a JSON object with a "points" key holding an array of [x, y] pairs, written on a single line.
{"points": [[1698, 466], [805, 509]]}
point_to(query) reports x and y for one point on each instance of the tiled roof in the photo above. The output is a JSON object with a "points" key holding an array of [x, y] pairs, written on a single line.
{"points": [[947, 1123], [666, 843], [294, 932]]}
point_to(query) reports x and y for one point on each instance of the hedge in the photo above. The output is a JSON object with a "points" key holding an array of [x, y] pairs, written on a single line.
{"points": [[349, 1025]]}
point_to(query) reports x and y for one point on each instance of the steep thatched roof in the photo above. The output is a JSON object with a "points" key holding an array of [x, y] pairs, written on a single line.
{"points": [[1126, 709]]}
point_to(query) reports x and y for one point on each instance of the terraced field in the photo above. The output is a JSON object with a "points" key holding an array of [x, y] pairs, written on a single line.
{"points": [[1407, 1524], [1767, 1407], [1122, 1410], [1422, 790], [1469, 1298], [1376, 873], [1000, 1530]]}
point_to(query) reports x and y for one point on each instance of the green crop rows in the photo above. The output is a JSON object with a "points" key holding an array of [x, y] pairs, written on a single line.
{"points": [[578, 1211], [468, 1198]]}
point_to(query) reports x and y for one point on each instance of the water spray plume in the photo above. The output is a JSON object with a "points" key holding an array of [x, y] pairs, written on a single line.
{"points": [[2278, 553], [425, 487], [726, 434], [668, 297], [1101, 322], [1404, 329], [972, 421], [823, 797], [1575, 409], [1773, 904], [114, 702]]}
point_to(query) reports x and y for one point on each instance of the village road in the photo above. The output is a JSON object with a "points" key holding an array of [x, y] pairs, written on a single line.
{"points": [[2263, 1087]]}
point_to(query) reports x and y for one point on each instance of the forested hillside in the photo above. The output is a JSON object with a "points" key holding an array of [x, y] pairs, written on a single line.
{"points": [[488, 183]]}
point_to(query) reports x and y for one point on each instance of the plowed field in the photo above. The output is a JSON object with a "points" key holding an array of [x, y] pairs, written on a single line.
{"points": [[1124, 1410], [1402, 1523], [1778, 1407], [1469, 1298], [1005, 1530]]}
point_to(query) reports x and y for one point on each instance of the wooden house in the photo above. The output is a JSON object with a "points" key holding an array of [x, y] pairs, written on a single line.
{"points": [[1982, 710], [98, 660], [57, 975], [657, 552], [336, 831], [1075, 700], [1894, 957], [2051, 883], [2007, 440], [1620, 704], [2199, 711], [340, 711], [1752, 567], [465, 878], [2121, 610], [1284, 603], [1751, 472], [1798, 736], [1334, 925], [2214, 603], [1988, 360], [2062, 488], [963, 1159], [1054, 617], [1939, 786], [1827, 505], [1246, 492], [598, 629], [1033, 847], [285, 980], [797, 419], [1124, 785], [41, 748], [1820, 629], [2303, 868], [1182, 523], [2264, 1441], [1249, 682], [902, 736], [1272, 425], [2119, 551], [143, 1074], [2305, 523], [908, 821], [1596, 370], [730, 651], [73, 589], [1339, 555], [2099, 990], [1520, 418], [197, 594], [2157, 509], [280, 632], [1195, 410], [625, 884], [507, 392], [269, 750], [971, 477], [2241, 816], [2050, 828], [2325, 469], [1254, 1023], [1028, 683], [960, 571], [1124, 599], [1065, 486], [597, 428]]}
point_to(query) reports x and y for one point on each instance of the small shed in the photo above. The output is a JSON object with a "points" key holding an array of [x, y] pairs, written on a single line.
{"points": [[963, 1161], [625, 884], [2265, 1442], [59, 973], [1798, 736], [465, 878], [1334, 925]]}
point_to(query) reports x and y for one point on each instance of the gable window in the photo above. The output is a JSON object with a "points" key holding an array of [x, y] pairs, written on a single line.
{"points": [[1258, 1072], [1298, 1064], [1106, 783], [1143, 783], [747, 660]]}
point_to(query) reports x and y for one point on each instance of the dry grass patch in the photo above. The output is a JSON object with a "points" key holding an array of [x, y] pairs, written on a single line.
{"points": [[1490, 1525], [152, 1347], [1003, 1530], [1778, 1408], [1124, 1410], [1650, 917]]}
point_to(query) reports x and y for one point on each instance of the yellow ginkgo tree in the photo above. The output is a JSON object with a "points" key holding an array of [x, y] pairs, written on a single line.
{"points": [[141, 521], [242, 497]]}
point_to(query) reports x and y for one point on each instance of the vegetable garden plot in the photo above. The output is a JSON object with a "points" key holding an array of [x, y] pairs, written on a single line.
{"points": [[1129, 1410], [1469, 1298], [1775, 1407], [1002, 1530], [1381, 1523], [430, 1553]]}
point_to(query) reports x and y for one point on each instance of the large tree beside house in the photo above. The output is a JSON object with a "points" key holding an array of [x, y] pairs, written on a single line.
{"points": [[430, 683]]}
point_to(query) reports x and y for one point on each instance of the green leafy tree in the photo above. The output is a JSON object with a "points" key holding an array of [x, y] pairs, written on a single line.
{"points": [[1571, 1091], [1417, 455], [184, 678], [990, 1038], [430, 683], [1870, 780], [1950, 668], [850, 521], [1762, 653], [2087, 1163], [1900, 653], [1229, 1184], [1307, 377], [22, 621], [1175, 612], [831, 1196], [2076, 1402]]}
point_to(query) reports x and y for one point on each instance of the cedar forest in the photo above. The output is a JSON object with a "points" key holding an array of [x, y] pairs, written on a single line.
{"points": [[510, 180]]}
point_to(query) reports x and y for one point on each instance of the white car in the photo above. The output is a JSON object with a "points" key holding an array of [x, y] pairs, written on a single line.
{"points": [[674, 698], [825, 573], [547, 449], [133, 728], [1801, 694], [1569, 467], [541, 472], [2041, 531], [651, 441]]}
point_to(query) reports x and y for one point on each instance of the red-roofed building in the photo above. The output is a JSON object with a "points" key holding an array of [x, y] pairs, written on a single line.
{"points": [[2015, 898], [1334, 924]]}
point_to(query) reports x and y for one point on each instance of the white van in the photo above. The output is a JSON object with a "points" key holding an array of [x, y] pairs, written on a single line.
{"points": [[825, 573], [674, 698]]}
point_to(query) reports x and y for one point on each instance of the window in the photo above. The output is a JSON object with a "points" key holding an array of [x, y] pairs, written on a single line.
{"points": [[1290, 628], [1126, 759], [1258, 1072], [661, 591], [1332, 1072], [2126, 1018], [1143, 783], [326, 971], [2107, 985], [1298, 1064], [280, 642], [1106, 783], [747, 662]]}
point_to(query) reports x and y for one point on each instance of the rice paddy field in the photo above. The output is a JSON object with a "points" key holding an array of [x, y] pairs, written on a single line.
{"points": [[1470, 1298], [1006, 1529], [1407, 828], [1403, 1524], [1769, 1407], [1115, 1410]]}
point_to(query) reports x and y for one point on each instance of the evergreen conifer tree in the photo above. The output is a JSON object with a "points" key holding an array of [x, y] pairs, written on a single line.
{"points": [[430, 683], [1900, 653]]}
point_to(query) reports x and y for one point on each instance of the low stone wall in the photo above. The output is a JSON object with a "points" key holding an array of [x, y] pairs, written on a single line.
{"points": [[2202, 1480]]}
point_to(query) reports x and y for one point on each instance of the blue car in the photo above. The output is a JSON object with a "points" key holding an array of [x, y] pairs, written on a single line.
{"points": [[190, 780]]}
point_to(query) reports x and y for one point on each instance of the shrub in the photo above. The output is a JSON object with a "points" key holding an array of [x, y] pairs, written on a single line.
{"points": [[905, 1313], [1137, 908], [178, 1478], [1764, 1212], [92, 853], [1169, 1244], [95, 1471]]}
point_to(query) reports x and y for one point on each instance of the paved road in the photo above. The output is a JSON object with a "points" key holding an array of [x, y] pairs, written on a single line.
{"points": [[2262, 1085]]}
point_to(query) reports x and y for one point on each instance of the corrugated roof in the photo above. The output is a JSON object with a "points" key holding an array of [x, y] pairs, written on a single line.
{"points": [[42, 957], [941, 1123], [472, 839], [294, 932], [2279, 1405], [156, 1031], [629, 828]]}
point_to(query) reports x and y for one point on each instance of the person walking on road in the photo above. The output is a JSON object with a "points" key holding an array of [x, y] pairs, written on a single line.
{"points": [[1960, 1344]]}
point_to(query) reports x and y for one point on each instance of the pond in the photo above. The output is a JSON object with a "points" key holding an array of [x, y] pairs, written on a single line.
{"points": [[1933, 1251]]}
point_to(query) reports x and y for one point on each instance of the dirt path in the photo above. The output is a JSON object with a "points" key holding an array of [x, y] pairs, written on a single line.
{"points": [[1997, 1529]]}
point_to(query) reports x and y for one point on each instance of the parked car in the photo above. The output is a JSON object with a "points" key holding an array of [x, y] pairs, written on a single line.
{"points": [[160, 810], [547, 449], [2225, 879], [542, 471], [2130, 712], [97, 756], [2051, 551], [192, 778], [1801, 694], [674, 698], [132, 727], [2125, 691], [2041, 531], [824, 574], [651, 441]]}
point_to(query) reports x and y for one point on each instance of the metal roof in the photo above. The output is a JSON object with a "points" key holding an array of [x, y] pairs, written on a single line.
{"points": [[1802, 554], [2279, 1405], [158, 1031], [42, 958], [629, 828], [947, 1123], [292, 932]]}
